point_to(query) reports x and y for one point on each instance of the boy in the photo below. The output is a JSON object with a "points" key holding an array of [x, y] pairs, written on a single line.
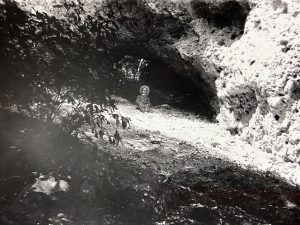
{"points": [[142, 100]]}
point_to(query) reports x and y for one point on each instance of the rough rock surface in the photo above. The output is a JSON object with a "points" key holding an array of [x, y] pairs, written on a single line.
{"points": [[243, 55]]}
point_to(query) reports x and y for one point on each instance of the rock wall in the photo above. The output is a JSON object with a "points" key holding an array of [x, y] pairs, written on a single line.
{"points": [[243, 55], [263, 67]]}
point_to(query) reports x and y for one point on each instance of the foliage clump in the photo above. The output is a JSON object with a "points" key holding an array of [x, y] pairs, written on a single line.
{"points": [[47, 62]]}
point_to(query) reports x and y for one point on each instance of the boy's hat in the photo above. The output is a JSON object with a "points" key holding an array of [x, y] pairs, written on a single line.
{"points": [[145, 87]]}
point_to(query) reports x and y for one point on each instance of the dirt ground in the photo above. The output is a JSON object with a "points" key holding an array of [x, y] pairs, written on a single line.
{"points": [[208, 138], [151, 179]]}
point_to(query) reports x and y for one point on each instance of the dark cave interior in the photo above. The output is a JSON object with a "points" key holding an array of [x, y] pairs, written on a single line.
{"points": [[224, 14]]}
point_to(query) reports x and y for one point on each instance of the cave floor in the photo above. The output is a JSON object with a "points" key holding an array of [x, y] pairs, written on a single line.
{"points": [[207, 138], [153, 178]]}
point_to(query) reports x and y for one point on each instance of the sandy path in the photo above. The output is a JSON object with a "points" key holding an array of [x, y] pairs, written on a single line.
{"points": [[217, 141]]}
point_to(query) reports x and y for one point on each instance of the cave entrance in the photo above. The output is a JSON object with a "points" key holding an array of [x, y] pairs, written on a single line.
{"points": [[176, 90], [171, 88]]}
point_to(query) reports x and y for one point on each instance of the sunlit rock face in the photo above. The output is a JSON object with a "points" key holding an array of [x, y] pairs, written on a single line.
{"points": [[264, 67], [242, 54]]}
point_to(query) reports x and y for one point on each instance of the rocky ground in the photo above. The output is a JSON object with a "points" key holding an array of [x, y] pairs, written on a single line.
{"points": [[152, 179], [207, 138]]}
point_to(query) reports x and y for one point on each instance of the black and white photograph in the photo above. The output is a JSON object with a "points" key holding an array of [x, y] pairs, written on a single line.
{"points": [[149, 112]]}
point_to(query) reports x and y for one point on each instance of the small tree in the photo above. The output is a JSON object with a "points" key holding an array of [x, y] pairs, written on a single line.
{"points": [[46, 64]]}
